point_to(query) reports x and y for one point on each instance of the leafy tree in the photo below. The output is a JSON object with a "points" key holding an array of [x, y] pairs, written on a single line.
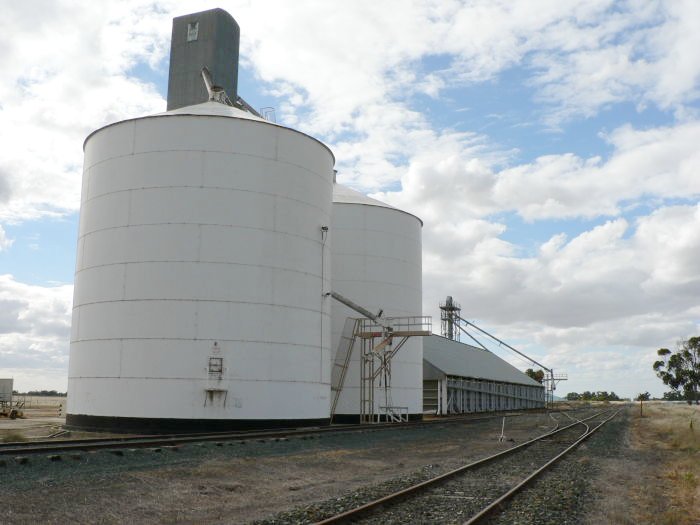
{"points": [[537, 376], [673, 396], [646, 396], [573, 396], [604, 396], [681, 369]]}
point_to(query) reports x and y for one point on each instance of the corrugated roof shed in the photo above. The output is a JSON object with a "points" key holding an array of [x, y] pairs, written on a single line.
{"points": [[458, 359]]}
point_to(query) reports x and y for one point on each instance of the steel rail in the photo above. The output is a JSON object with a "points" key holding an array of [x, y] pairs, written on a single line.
{"points": [[495, 505], [54, 446], [34, 447], [51, 444], [126, 439], [354, 513]]}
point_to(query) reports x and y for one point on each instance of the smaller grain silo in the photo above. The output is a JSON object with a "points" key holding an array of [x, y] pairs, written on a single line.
{"points": [[376, 262]]}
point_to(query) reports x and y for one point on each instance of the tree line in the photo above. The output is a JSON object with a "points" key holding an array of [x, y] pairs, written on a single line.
{"points": [[593, 396], [45, 393]]}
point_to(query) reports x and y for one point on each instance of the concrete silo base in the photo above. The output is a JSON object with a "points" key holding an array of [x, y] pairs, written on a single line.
{"points": [[350, 419], [140, 425]]}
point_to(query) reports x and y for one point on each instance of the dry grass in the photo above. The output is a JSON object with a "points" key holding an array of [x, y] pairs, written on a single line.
{"points": [[673, 429], [655, 479], [11, 436], [50, 402], [671, 426]]}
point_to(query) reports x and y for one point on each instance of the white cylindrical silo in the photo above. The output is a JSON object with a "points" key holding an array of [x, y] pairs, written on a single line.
{"points": [[200, 273], [377, 263]]}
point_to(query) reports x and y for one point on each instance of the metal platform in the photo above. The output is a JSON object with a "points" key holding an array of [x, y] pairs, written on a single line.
{"points": [[381, 340], [379, 345]]}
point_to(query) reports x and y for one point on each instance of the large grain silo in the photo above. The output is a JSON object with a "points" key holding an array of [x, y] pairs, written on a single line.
{"points": [[376, 262], [200, 274]]}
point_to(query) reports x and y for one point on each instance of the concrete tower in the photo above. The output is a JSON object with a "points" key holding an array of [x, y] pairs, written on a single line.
{"points": [[209, 38]]}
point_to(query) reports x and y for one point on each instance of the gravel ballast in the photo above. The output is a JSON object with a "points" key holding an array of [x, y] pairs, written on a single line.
{"points": [[458, 499], [298, 480]]}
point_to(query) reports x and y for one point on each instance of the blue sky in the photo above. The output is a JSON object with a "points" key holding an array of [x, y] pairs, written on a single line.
{"points": [[550, 149]]}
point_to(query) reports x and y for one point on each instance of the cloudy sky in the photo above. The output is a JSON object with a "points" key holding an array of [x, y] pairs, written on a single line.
{"points": [[551, 148]]}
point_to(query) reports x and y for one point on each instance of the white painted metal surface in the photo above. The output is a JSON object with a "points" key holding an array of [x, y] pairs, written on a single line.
{"points": [[376, 262], [200, 237]]}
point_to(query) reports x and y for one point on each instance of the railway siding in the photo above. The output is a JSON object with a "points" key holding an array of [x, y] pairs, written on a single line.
{"points": [[249, 479], [456, 500], [567, 492]]}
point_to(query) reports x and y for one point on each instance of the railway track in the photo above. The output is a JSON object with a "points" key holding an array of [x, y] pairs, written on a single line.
{"points": [[145, 441], [477, 491]]}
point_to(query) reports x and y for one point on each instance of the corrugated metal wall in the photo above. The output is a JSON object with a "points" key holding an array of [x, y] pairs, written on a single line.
{"points": [[460, 395]]}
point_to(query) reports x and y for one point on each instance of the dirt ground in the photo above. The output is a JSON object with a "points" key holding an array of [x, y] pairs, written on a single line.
{"points": [[242, 482], [656, 480], [43, 416]]}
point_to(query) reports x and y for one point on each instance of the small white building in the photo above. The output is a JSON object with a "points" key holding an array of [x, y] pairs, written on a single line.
{"points": [[459, 378], [6, 390]]}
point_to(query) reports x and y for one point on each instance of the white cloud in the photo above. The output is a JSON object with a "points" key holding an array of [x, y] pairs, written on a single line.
{"points": [[65, 70], [586, 56], [670, 240], [5, 242], [660, 162], [449, 178], [34, 332], [614, 271]]}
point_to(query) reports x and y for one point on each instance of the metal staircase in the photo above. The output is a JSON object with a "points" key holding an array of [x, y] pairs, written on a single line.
{"points": [[342, 360], [375, 361]]}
